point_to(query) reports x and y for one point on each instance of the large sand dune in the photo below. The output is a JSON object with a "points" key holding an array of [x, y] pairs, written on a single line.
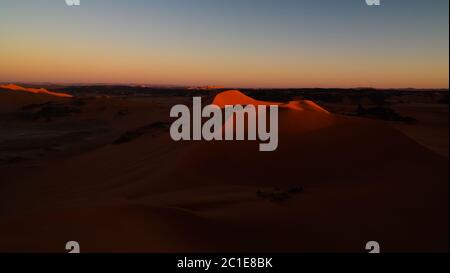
{"points": [[360, 181]]}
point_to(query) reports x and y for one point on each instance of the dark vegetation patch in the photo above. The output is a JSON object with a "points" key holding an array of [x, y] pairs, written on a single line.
{"points": [[383, 113], [122, 113], [48, 111], [134, 134], [280, 195], [78, 102], [365, 95], [326, 95], [352, 96], [12, 160], [443, 99]]}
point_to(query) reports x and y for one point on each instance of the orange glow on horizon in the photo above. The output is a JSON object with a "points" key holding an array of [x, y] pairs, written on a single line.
{"points": [[64, 62]]}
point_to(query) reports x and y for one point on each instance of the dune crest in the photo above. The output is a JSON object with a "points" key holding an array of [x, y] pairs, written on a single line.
{"points": [[233, 97], [15, 87], [304, 105]]}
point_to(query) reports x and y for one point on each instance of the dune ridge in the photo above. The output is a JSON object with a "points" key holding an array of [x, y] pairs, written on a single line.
{"points": [[14, 87], [234, 97]]}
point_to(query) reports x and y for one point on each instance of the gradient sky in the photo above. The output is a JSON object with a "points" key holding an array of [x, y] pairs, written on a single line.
{"points": [[235, 43]]}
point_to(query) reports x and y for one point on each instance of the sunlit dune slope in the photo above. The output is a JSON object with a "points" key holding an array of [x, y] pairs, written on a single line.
{"points": [[15, 87], [233, 97], [302, 105], [13, 100], [294, 116]]}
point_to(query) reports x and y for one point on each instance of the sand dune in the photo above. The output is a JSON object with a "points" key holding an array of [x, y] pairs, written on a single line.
{"points": [[302, 105], [12, 101], [14, 87], [362, 181], [233, 97]]}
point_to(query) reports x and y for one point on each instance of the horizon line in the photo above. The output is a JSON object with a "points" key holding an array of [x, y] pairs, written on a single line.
{"points": [[149, 85]]}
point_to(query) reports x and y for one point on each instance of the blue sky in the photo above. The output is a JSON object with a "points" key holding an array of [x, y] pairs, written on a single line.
{"points": [[254, 43]]}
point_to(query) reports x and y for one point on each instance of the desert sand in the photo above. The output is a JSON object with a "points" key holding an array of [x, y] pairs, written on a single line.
{"points": [[108, 175]]}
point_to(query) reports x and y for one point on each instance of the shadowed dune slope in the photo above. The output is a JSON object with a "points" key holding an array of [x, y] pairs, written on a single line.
{"points": [[362, 181]]}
